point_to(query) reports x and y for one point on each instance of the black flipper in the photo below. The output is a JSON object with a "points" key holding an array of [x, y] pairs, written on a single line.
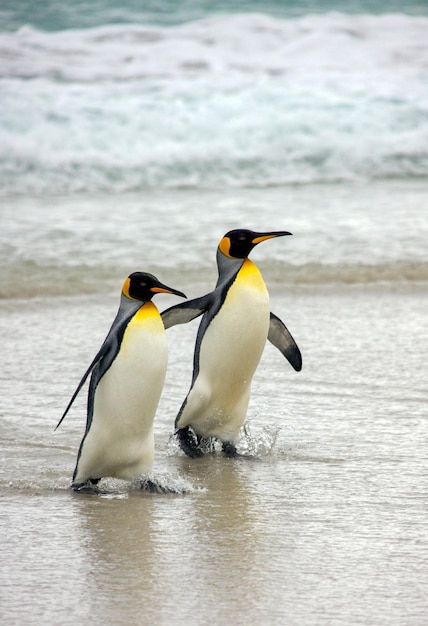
{"points": [[99, 356], [186, 311], [105, 356], [281, 338]]}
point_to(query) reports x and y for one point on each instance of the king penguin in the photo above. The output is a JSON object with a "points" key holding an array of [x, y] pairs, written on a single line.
{"points": [[128, 374], [231, 337]]}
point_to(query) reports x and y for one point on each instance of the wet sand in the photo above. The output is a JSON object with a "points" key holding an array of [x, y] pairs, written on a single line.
{"points": [[327, 527]]}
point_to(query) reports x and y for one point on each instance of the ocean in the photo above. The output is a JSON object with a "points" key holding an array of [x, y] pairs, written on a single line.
{"points": [[132, 137]]}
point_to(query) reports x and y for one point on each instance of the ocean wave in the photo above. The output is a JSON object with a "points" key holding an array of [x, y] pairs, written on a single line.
{"points": [[233, 44], [229, 101], [66, 139], [32, 280]]}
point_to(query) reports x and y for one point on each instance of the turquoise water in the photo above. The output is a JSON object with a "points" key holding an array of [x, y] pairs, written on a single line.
{"points": [[57, 15]]}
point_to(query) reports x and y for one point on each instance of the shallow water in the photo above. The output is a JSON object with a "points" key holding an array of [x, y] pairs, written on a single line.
{"points": [[328, 526]]}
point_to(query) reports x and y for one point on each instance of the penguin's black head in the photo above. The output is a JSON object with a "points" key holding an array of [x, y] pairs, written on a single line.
{"points": [[237, 244], [143, 286]]}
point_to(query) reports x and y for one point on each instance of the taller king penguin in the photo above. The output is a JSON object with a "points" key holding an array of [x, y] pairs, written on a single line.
{"points": [[233, 331]]}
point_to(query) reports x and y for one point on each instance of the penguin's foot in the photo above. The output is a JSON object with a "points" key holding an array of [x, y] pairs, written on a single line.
{"points": [[229, 449], [88, 486], [152, 486], [188, 442]]}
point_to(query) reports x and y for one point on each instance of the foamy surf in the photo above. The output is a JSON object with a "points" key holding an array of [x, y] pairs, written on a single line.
{"points": [[227, 44], [227, 101]]}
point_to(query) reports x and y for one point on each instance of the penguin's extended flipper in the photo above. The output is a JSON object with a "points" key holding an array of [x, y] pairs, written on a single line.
{"points": [[80, 385], [104, 358], [186, 311], [281, 338]]}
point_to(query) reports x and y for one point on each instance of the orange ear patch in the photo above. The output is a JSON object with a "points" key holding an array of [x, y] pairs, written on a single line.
{"points": [[224, 246], [125, 288]]}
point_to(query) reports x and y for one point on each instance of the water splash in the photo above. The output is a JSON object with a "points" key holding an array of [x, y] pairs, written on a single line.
{"points": [[164, 484], [258, 445]]}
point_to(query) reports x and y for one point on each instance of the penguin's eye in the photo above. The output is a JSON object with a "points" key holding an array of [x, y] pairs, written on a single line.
{"points": [[143, 284]]}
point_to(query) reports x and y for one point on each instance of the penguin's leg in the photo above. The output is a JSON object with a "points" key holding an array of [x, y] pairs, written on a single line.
{"points": [[188, 442]]}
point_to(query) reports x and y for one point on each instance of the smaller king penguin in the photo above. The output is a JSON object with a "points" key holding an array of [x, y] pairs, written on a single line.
{"points": [[232, 334], [127, 378]]}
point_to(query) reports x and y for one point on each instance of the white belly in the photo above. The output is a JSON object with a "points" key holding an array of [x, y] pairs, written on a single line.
{"points": [[230, 352], [120, 441]]}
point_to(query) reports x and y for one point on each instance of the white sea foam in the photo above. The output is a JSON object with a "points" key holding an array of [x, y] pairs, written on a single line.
{"points": [[247, 44], [225, 101]]}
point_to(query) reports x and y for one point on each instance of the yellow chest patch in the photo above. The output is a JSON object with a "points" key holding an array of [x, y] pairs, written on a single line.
{"points": [[149, 317], [250, 275], [147, 313], [144, 332], [247, 301]]}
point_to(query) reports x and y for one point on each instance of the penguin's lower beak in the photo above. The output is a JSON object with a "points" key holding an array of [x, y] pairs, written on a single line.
{"points": [[164, 289], [264, 236]]}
